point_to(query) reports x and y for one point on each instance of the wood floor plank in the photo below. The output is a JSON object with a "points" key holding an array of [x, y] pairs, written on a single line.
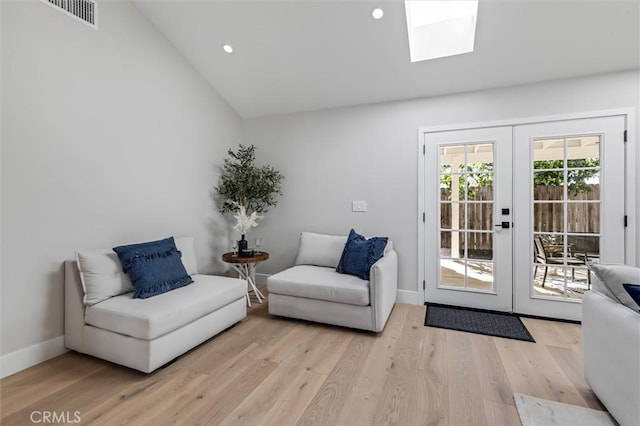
{"points": [[572, 366], [399, 387], [466, 404], [275, 371], [228, 373], [213, 407], [17, 390], [554, 333], [79, 396], [431, 397], [532, 371], [291, 360], [329, 400], [494, 384], [292, 402], [498, 413], [361, 403], [133, 404]]}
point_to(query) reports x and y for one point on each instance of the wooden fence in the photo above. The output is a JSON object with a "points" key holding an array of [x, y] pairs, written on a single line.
{"points": [[582, 217]]}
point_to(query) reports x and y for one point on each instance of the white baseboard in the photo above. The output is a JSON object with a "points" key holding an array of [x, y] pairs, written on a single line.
{"points": [[407, 296], [30, 356]]}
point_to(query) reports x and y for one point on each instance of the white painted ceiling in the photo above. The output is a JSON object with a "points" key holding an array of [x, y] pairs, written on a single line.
{"points": [[299, 55]]}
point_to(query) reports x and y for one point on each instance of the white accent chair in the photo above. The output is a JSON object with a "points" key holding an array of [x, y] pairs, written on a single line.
{"points": [[611, 341], [313, 290]]}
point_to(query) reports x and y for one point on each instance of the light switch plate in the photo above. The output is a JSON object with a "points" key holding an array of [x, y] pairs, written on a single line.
{"points": [[359, 206]]}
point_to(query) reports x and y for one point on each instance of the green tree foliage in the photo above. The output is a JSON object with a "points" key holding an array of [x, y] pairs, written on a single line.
{"points": [[244, 183], [577, 175]]}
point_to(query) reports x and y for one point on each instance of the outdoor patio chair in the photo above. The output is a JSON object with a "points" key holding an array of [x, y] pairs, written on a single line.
{"points": [[542, 257]]}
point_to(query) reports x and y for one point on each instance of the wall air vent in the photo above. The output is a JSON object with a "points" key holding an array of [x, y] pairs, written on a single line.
{"points": [[83, 10]]}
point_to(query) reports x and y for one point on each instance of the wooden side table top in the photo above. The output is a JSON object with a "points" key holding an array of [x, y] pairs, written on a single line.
{"points": [[231, 257]]}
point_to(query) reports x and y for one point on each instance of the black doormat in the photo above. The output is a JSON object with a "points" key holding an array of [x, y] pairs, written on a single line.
{"points": [[490, 323]]}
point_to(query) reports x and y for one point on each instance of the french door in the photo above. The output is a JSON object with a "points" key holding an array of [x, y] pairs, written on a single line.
{"points": [[570, 210], [513, 214], [468, 183]]}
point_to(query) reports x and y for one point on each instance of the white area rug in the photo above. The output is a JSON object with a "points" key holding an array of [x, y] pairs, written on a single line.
{"points": [[541, 412]]}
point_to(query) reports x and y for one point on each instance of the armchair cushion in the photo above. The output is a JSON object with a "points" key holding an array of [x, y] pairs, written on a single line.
{"points": [[320, 283], [320, 249], [360, 254]]}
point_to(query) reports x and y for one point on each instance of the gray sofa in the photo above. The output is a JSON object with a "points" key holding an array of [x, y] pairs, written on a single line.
{"points": [[103, 320], [313, 290]]}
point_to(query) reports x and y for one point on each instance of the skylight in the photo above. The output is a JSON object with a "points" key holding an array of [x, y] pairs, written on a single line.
{"points": [[440, 28]]}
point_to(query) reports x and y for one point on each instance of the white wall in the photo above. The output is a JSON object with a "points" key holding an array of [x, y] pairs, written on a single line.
{"points": [[109, 137], [333, 157]]}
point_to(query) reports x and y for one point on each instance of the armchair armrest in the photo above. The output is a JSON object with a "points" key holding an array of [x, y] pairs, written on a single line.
{"points": [[383, 287]]}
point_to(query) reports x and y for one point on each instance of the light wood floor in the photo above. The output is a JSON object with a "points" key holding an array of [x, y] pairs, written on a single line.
{"points": [[276, 371]]}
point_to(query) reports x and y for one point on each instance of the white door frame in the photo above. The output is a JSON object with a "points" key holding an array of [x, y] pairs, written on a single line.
{"points": [[630, 176]]}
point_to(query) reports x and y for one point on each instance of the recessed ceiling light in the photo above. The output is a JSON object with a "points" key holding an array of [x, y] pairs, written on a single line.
{"points": [[227, 48], [377, 13]]}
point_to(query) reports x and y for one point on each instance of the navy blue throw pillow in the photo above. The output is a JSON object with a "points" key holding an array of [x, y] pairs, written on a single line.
{"points": [[360, 254], [634, 292], [154, 267]]}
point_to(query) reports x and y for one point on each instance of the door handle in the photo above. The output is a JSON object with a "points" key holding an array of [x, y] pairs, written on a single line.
{"points": [[504, 225]]}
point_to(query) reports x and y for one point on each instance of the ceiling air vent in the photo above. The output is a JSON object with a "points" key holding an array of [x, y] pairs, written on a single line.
{"points": [[83, 10]]}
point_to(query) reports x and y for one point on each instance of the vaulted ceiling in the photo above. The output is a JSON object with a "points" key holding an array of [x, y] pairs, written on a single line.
{"points": [[299, 55]]}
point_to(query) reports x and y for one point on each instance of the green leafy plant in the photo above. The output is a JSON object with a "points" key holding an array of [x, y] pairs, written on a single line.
{"points": [[243, 183]]}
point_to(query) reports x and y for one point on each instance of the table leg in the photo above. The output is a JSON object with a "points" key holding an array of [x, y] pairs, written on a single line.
{"points": [[252, 274], [247, 272], [243, 275]]}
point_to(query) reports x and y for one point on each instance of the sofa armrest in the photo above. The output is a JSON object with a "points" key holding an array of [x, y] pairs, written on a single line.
{"points": [[383, 288], [611, 341]]}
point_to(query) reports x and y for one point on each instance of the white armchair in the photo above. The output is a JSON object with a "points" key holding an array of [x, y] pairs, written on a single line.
{"points": [[313, 290]]}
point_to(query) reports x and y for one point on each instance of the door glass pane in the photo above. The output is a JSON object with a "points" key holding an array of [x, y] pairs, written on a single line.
{"points": [[452, 215], [452, 187], [452, 272], [452, 244], [480, 245], [586, 186], [583, 218], [548, 217], [566, 209], [547, 153], [480, 275], [584, 247], [480, 187], [480, 216], [466, 195], [549, 246], [548, 185], [452, 158], [583, 152]]}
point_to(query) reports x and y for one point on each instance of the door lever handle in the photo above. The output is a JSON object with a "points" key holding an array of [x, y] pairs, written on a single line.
{"points": [[504, 225]]}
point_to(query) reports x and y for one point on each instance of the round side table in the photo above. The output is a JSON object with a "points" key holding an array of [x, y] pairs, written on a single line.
{"points": [[246, 268]]}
